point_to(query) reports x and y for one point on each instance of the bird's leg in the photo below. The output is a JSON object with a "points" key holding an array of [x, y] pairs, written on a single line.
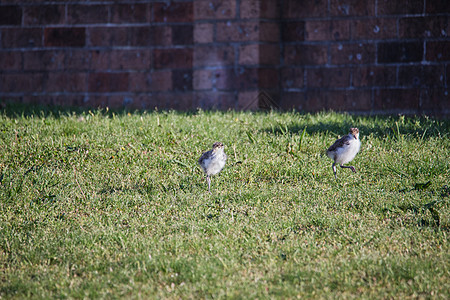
{"points": [[334, 170], [208, 180], [349, 167]]}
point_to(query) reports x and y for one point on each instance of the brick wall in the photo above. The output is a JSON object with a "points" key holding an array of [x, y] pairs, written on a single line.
{"points": [[380, 56]]}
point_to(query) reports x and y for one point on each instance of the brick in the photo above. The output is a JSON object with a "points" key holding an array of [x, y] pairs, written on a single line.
{"points": [[254, 9], [162, 36], [203, 79], [421, 76], [437, 7], [140, 36], [415, 27], [56, 100], [177, 101], [108, 36], [182, 80], [393, 52], [327, 30], [352, 8], [265, 54], [435, 101], [213, 56], [100, 60], [21, 37], [292, 78], [328, 77], [249, 54], [242, 79], [268, 78], [130, 13], [203, 33], [396, 100], [269, 32], [305, 54], [215, 100], [400, 7], [10, 61], [248, 100], [237, 31], [293, 9], [87, 14], [76, 59], [21, 83], [379, 28], [44, 14], [173, 12], [130, 59], [338, 100], [65, 37], [10, 15], [182, 35], [172, 58], [44, 60], [108, 82], [214, 9], [438, 51], [96, 101], [352, 53], [151, 81], [364, 76], [66, 82], [293, 31]]}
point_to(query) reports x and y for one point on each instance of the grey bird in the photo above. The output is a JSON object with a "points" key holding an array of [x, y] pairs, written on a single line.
{"points": [[213, 161], [344, 150]]}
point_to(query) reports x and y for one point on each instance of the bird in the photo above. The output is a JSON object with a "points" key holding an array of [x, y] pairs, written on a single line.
{"points": [[213, 161], [344, 150]]}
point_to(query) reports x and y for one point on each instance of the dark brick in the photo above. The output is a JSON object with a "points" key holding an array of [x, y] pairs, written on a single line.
{"points": [[100, 59], [21, 83], [393, 52], [338, 100], [130, 60], [182, 80], [66, 82], [293, 31], [435, 101], [269, 54], [182, 35], [269, 32], [254, 9], [305, 54], [415, 27], [44, 14], [173, 12], [21, 37], [140, 36], [437, 6], [44, 60], [237, 31], [87, 14], [214, 9], [374, 76], [327, 30], [203, 33], [400, 7], [422, 76], [65, 37], [56, 100], [213, 56], [292, 78], [203, 79], [328, 77], [162, 36], [305, 9], [108, 82], [214, 100], [108, 36], [379, 28], [352, 8], [352, 53], [151, 81], [130, 13], [438, 51], [10, 15], [268, 78], [10, 61], [172, 58], [396, 100], [76, 59], [227, 79]]}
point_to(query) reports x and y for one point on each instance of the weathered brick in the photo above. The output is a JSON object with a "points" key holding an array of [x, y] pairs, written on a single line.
{"points": [[44, 14], [203, 33], [392, 52], [21, 83], [415, 27], [305, 9], [173, 11], [56, 100], [182, 35], [21, 37], [130, 13], [400, 7], [268, 78], [242, 79], [77, 59], [293, 31], [108, 36], [182, 80], [130, 59], [66, 82], [328, 77], [108, 82], [10, 15], [237, 31], [379, 28], [437, 7], [338, 100], [292, 78], [265, 54], [269, 32], [213, 56], [10, 61], [214, 100], [435, 101], [422, 76], [248, 100], [203, 79], [352, 8], [249, 54], [162, 36], [438, 51], [100, 60], [96, 101], [305, 54], [352, 53], [393, 100], [384, 76], [214, 9], [151, 81], [44, 60], [327, 30], [87, 14], [65, 37], [172, 58], [139, 36], [253, 9]]}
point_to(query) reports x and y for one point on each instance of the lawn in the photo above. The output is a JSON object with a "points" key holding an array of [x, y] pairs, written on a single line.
{"points": [[102, 204]]}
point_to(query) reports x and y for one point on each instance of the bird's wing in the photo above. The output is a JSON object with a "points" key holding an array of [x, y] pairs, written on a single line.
{"points": [[204, 156], [345, 140]]}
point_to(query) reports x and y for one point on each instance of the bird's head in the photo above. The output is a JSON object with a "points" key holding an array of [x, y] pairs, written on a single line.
{"points": [[354, 132], [217, 146]]}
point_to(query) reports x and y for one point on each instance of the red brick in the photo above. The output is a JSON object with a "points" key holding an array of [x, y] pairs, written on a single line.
{"points": [[268, 78], [421, 76], [215, 100], [76, 59], [65, 37], [140, 36], [435, 101], [203, 33], [415, 27], [293, 100], [305, 9], [254, 9], [293, 31], [10, 61], [269, 32], [11, 15], [66, 82], [305, 54], [44, 14], [396, 100], [437, 7], [265, 54], [172, 58], [374, 76], [327, 30], [352, 53], [292, 78], [130, 60], [237, 31], [130, 13], [203, 79], [173, 12], [182, 80], [21, 83], [391, 52], [56, 100], [352, 8], [248, 100], [438, 51], [214, 9], [177, 101], [108, 36], [87, 14], [338, 100], [162, 36], [399, 7], [21, 37], [213, 56], [96, 101], [328, 77], [100, 60], [151, 81], [229, 79], [44, 60], [182, 35], [108, 82], [249, 54], [379, 28]]}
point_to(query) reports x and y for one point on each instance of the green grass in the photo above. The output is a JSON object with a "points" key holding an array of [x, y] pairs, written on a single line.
{"points": [[113, 205]]}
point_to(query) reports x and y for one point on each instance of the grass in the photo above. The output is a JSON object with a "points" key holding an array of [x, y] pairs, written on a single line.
{"points": [[113, 205]]}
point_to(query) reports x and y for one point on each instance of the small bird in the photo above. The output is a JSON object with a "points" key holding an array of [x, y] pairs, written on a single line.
{"points": [[344, 150], [213, 161]]}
